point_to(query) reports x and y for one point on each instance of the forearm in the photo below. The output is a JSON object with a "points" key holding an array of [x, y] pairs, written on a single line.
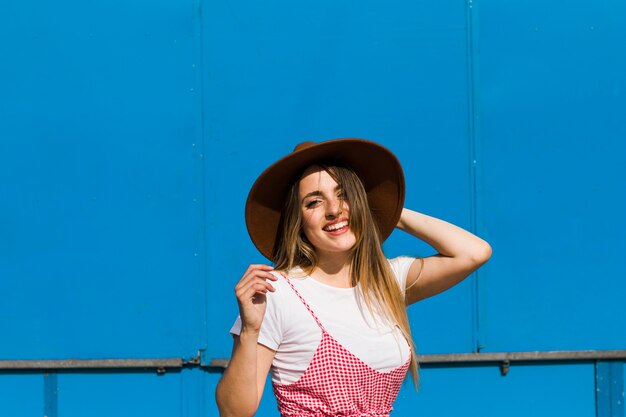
{"points": [[446, 238], [237, 392]]}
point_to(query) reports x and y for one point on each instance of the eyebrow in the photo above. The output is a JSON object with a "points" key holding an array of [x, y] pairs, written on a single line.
{"points": [[318, 193]]}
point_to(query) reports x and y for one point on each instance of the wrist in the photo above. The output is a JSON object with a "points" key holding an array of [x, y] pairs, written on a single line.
{"points": [[249, 334], [401, 224]]}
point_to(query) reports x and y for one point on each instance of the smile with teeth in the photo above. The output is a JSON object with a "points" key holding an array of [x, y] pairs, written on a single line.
{"points": [[336, 226]]}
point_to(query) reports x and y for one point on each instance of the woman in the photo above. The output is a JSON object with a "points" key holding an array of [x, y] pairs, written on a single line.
{"points": [[329, 319]]}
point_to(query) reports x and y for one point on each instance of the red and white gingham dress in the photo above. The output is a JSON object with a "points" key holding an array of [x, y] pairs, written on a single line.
{"points": [[337, 383]]}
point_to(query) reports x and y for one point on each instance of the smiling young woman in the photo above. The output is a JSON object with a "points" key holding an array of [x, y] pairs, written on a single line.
{"points": [[329, 319]]}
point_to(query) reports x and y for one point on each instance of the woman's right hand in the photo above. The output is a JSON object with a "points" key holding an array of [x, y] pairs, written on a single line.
{"points": [[251, 293]]}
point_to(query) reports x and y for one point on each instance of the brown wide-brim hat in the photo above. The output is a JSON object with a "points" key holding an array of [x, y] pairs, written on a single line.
{"points": [[378, 168]]}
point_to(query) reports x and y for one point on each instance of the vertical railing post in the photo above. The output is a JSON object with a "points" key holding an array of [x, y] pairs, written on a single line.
{"points": [[610, 389], [50, 391]]}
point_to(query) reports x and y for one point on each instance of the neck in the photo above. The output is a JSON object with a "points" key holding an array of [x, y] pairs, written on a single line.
{"points": [[333, 269]]}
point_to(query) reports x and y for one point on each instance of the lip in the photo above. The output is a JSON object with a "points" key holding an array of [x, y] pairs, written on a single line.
{"points": [[338, 231], [343, 219]]}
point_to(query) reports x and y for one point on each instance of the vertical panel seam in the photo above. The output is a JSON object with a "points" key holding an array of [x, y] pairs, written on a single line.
{"points": [[472, 116], [200, 137]]}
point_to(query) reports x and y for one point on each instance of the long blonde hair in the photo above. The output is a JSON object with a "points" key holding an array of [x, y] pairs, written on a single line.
{"points": [[369, 265]]}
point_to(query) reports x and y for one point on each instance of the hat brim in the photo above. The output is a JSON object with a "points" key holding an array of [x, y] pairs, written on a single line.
{"points": [[377, 167]]}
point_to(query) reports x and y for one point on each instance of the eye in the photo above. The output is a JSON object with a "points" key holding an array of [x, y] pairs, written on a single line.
{"points": [[312, 203]]}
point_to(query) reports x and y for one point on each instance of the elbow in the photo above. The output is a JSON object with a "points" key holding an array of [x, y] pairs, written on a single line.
{"points": [[225, 403], [222, 403], [219, 400], [482, 254]]}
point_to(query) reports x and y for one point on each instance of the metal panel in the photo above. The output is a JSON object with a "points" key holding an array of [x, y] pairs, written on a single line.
{"points": [[552, 80], [543, 390], [101, 250], [124, 395], [280, 74], [21, 395]]}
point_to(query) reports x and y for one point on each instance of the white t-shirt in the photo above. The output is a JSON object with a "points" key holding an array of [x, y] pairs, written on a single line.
{"points": [[290, 330]]}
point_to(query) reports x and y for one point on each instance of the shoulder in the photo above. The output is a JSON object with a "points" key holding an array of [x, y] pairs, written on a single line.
{"points": [[280, 285], [287, 306], [401, 263], [400, 267], [282, 280], [284, 293]]}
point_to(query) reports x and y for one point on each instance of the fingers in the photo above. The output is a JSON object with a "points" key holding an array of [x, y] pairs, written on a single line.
{"points": [[261, 267], [257, 271], [255, 280], [253, 286]]}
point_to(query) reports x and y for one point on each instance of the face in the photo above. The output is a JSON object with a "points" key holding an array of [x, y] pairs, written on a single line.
{"points": [[325, 212]]}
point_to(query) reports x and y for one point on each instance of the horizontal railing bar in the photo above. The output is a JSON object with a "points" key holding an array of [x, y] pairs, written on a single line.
{"points": [[91, 364], [451, 358], [429, 359], [557, 355]]}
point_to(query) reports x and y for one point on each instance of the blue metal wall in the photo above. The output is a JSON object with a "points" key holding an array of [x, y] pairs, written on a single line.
{"points": [[130, 133]]}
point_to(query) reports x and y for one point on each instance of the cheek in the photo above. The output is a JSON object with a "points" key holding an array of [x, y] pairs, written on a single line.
{"points": [[345, 208], [308, 224], [307, 219], [310, 235]]}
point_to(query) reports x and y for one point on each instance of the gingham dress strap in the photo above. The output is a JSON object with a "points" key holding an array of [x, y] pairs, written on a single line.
{"points": [[319, 323]]}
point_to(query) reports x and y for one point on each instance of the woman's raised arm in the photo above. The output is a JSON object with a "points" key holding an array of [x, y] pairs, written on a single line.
{"points": [[460, 254]]}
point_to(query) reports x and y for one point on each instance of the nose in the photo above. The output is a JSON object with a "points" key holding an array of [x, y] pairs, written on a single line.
{"points": [[334, 207]]}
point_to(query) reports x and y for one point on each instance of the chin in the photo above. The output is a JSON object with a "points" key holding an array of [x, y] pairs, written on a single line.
{"points": [[339, 248], [334, 246]]}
